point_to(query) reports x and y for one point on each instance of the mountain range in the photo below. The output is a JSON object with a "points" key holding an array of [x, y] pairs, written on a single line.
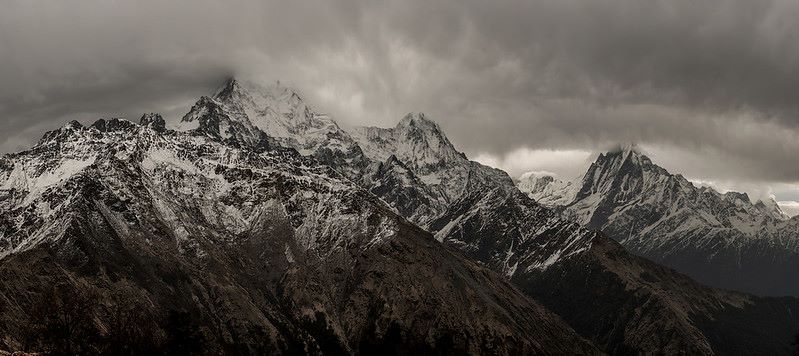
{"points": [[723, 240], [270, 228]]}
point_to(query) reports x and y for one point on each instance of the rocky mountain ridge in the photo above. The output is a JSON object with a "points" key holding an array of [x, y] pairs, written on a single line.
{"points": [[722, 239], [265, 251]]}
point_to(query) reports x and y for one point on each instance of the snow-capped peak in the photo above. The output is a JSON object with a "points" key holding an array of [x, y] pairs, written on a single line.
{"points": [[658, 214], [247, 109], [770, 207], [416, 140], [420, 142], [418, 120], [275, 96], [626, 152]]}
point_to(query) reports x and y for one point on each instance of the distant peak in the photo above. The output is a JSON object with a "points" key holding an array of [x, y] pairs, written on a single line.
{"points": [[422, 144], [610, 169]]}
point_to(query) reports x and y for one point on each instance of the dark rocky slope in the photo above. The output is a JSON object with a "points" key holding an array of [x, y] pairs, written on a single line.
{"points": [[623, 303]]}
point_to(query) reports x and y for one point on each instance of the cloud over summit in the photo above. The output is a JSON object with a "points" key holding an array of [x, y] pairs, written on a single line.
{"points": [[708, 86]]}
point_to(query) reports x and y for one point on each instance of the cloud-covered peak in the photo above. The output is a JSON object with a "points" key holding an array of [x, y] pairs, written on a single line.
{"points": [[423, 136], [418, 124], [260, 96], [629, 147], [417, 119]]}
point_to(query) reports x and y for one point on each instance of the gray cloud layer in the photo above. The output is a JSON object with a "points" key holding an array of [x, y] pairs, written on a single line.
{"points": [[709, 85]]}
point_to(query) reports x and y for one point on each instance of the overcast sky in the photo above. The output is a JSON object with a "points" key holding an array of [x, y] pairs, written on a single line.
{"points": [[708, 88]]}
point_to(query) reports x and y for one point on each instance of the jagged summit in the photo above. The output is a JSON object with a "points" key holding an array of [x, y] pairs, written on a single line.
{"points": [[421, 140], [619, 165], [422, 131], [249, 111], [617, 172], [240, 111], [416, 140], [627, 176], [442, 174], [624, 166]]}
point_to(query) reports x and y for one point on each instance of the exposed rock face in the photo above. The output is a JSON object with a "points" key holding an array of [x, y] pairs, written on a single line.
{"points": [[510, 233], [395, 183], [724, 240]]}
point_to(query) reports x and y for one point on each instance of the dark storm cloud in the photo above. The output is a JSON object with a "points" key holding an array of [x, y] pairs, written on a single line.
{"points": [[697, 80]]}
